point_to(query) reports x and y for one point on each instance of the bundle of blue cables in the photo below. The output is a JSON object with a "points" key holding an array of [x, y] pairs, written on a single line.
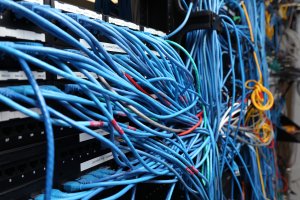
{"points": [[254, 170], [186, 115]]}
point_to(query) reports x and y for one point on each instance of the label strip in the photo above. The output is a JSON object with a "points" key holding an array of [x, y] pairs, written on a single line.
{"points": [[95, 161], [84, 137]]}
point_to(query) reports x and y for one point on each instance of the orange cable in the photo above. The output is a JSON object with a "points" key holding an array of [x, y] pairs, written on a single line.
{"points": [[194, 127]]}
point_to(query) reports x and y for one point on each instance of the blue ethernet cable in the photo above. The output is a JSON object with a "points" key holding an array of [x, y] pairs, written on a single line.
{"points": [[168, 78], [48, 128], [73, 123], [55, 70], [120, 193], [183, 23]]}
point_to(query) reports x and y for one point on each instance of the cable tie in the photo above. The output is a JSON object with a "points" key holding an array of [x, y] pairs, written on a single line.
{"points": [[189, 171], [117, 127], [131, 128], [194, 169], [96, 123], [122, 114]]}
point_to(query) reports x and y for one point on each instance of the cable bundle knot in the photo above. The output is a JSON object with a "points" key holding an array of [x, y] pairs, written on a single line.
{"points": [[258, 96]]}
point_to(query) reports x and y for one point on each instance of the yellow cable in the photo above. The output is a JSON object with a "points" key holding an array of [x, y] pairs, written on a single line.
{"points": [[252, 40], [269, 27], [266, 129], [260, 127], [257, 96], [260, 174], [258, 101]]}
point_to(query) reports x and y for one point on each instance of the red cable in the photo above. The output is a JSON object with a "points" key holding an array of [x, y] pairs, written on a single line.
{"points": [[117, 127], [142, 90], [194, 127], [136, 84], [96, 123], [189, 171], [145, 92]]}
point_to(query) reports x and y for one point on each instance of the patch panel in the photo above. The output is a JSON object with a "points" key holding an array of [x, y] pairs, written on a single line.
{"points": [[153, 31], [122, 23], [22, 140], [11, 73], [95, 161], [12, 114], [75, 9], [15, 27], [22, 34], [10, 65], [116, 21], [20, 75], [17, 133], [84, 137], [23, 166]]}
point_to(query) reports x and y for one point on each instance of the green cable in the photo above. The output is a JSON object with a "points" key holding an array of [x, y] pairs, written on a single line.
{"points": [[208, 165], [204, 117], [198, 88], [192, 60], [196, 73], [237, 18]]}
